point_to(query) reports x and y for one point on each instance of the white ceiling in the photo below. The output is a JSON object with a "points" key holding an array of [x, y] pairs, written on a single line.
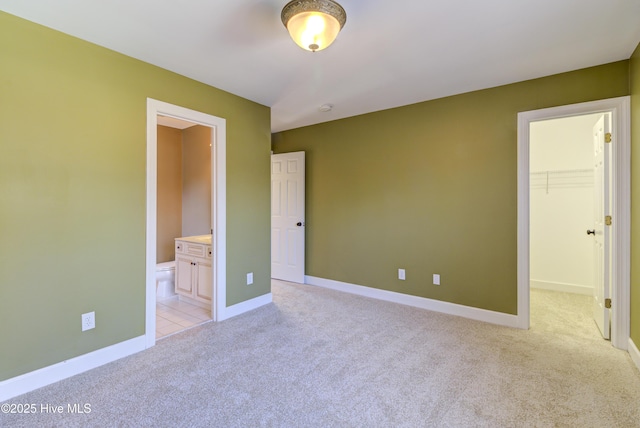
{"points": [[390, 53]]}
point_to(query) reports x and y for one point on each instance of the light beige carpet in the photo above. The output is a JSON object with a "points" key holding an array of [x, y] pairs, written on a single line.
{"points": [[321, 358]]}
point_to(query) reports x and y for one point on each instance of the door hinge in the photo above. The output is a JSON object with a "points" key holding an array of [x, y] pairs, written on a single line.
{"points": [[607, 303], [607, 137], [607, 220]]}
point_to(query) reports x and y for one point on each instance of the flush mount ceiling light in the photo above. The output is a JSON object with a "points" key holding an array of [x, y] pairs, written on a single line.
{"points": [[313, 24]]}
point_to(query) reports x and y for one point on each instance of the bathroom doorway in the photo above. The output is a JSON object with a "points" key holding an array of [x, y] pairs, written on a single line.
{"points": [[183, 210], [214, 220]]}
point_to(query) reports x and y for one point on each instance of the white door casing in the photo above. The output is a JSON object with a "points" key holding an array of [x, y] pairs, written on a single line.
{"points": [[218, 208], [601, 232], [288, 216], [620, 208]]}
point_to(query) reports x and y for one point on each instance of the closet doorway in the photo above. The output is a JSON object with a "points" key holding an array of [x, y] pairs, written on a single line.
{"points": [[619, 111], [566, 266]]}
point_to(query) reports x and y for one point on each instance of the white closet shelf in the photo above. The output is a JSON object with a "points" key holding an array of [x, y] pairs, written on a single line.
{"points": [[561, 179]]}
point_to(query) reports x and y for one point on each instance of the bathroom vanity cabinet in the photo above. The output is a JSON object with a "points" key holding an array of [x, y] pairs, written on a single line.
{"points": [[194, 270]]}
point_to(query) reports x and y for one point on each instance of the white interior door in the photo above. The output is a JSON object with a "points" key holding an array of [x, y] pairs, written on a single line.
{"points": [[287, 216], [602, 232]]}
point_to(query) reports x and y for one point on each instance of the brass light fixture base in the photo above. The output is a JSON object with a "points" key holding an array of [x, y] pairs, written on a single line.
{"points": [[313, 24], [328, 7]]}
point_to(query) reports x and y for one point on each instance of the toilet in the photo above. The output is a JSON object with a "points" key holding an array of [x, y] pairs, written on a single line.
{"points": [[165, 278]]}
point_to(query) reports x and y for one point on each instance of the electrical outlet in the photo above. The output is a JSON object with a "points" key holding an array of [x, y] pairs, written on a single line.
{"points": [[88, 321], [436, 279], [250, 278], [401, 274]]}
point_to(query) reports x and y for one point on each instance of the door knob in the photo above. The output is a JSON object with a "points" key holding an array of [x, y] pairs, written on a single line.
{"points": [[591, 232], [299, 223]]}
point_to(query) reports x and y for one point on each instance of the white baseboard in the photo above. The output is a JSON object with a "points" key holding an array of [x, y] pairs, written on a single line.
{"points": [[246, 306], [477, 314], [563, 287], [27, 382], [634, 352], [22, 384]]}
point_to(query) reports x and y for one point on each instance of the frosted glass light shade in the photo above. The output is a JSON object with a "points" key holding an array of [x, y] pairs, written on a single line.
{"points": [[313, 24]]}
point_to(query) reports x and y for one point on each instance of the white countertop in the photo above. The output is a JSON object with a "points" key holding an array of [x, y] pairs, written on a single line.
{"points": [[200, 239]]}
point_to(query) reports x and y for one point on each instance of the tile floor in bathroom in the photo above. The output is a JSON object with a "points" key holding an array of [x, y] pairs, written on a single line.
{"points": [[173, 316]]}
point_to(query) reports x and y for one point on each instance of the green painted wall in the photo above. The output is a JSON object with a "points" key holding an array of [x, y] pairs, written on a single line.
{"points": [[635, 195], [431, 188], [72, 192]]}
